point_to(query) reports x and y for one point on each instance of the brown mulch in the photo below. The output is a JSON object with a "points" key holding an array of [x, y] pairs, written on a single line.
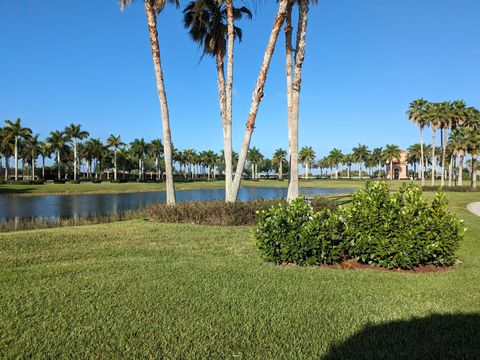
{"points": [[352, 264]]}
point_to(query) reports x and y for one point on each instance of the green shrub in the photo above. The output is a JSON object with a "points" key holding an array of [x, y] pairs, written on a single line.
{"points": [[400, 230], [294, 233], [97, 181], [74, 181]]}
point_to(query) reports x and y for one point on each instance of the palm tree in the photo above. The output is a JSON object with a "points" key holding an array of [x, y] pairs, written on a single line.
{"points": [[114, 142], [417, 113], [294, 84], [348, 160], [138, 147], [336, 156], [279, 157], [33, 149], [254, 158], [258, 94], [57, 142], [307, 157], [391, 153], [156, 149], [209, 22], [360, 154], [75, 133], [14, 132], [414, 157], [435, 115], [45, 151], [152, 9], [473, 145], [377, 158]]}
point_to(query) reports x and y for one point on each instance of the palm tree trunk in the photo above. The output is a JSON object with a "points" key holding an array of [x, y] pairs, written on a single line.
{"points": [[7, 166], [444, 154], [336, 171], [360, 170], [167, 141], [33, 165], [280, 169], [450, 171], [43, 167], [228, 105], [115, 164], [391, 169], [74, 160], [58, 165], [258, 94], [433, 157], [292, 139], [16, 158], [460, 170], [422, 159], [253, 171], [297, 79], [474, 171], [226, 126]]}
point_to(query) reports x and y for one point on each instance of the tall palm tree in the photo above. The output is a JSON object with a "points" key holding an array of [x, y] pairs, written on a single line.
{"points": [[75, 133], [435, 115], [152, 9], [114, 142], [414, 157], [208, 22], [390, 153], [360, 154], [417, 113], [279, 157], [336, 156], [307, 157], [258, 94], [14, 131], [58, 142], [294, 80], [348, 160], [473, 145], [377, 158], [45, 151]]}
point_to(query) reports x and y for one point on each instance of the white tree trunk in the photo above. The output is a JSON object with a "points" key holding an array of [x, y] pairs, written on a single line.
{"points": [[444, 154], [15, 154], [258, 94], [422, 159], [167, 140], [280, 169], [74, 160], [58, 165], [433, 158], [115, 165], [460, 170]]}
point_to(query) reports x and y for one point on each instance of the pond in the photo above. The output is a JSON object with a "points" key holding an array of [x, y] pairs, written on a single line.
{"points": [[67, 206]]}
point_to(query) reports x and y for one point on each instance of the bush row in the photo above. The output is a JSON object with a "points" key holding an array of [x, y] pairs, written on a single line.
{"points": [[220, 213], [393, 230], [22, 182]]}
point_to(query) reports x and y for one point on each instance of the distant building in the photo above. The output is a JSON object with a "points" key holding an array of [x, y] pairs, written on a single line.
{"points": [[400, 166]]}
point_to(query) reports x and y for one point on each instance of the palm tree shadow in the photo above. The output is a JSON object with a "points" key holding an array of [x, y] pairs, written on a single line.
{"points": [[455, 336]]}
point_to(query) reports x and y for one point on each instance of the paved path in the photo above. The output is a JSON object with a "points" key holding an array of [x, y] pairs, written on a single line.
{"points": [[474, 208]]}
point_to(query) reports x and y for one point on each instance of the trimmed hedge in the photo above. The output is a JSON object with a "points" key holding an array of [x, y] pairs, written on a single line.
{"points": [[463, 188], [392, 230]]}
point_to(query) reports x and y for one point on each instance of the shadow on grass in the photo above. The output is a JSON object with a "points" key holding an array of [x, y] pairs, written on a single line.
{"points": [[455, 336], [8, 191]]}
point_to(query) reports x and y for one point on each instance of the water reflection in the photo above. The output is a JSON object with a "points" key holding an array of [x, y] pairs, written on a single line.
{"points": [[67, 206]]}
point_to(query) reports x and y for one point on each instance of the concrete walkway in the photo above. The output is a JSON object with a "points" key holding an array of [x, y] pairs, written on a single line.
{"points": [[474, 208]]}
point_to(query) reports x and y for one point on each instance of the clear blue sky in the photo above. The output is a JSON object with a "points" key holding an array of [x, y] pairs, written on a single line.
{"points": [[86, 62]]}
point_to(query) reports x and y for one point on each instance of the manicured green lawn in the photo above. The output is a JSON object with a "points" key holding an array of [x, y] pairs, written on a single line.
{"points": [[107, 187], [138, 289]]}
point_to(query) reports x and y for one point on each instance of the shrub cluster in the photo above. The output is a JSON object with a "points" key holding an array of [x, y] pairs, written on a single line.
{"points": [[218, 212], [393, 230], [22, 182]]}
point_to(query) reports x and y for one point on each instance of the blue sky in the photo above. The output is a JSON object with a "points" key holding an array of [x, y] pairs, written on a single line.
{"points": [[86, 62]]}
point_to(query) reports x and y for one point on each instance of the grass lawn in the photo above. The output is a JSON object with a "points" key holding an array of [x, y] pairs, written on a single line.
{"points": [[107, 187], [138, 289]]}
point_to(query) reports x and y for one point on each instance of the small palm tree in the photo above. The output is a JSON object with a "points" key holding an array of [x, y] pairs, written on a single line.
{"points": [[336, 156], [307, 157], [360, 155], [138, 147], [114, 142], [14, 131], [75, 133], [414, 157], [278, 157], [435, 115], [254, 158], [33, 149], [391, 153], [156, 150], [58, 142]]}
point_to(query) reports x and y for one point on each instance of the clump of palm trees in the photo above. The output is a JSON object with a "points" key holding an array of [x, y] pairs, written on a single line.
{"points": [[459, 135]]}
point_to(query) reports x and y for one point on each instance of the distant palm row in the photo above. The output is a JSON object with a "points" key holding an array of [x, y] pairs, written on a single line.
{"points": [[76, 155]]}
